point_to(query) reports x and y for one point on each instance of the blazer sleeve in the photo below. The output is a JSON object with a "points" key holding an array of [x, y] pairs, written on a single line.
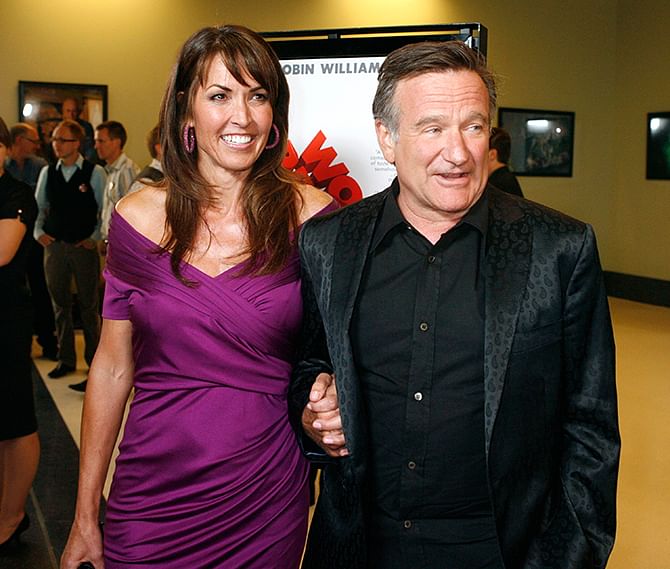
{"points": [[591, 442], [313, 357]]}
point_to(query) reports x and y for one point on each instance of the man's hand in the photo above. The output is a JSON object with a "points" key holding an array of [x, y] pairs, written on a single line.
{"points": [[45, 240], [89, 244], [321, 417]]}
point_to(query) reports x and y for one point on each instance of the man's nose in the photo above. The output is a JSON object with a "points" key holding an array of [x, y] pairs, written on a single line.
{"points": [[455, 149]]}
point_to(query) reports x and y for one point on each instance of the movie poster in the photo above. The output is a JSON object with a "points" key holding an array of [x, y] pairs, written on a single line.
{"points": [[331, 130]]}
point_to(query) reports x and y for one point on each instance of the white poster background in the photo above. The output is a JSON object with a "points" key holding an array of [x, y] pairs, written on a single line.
{"points": [[335, 95]]}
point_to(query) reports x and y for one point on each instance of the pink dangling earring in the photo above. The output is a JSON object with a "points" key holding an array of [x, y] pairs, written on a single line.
{"points": [[275, 130], [189, 139]]}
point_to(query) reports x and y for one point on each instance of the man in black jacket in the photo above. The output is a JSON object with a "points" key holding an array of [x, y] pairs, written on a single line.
{"points": [[500, 176], [469, 338]]}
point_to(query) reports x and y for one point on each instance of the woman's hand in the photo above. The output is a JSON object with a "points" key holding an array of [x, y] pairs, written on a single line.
{"points": [[83, 544]]}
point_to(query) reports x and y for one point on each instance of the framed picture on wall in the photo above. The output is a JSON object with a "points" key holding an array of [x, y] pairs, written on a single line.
{"points": [[658, 146], [44, 105], [542, 141]]}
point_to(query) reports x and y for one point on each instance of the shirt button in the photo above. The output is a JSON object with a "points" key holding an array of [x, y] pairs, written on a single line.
{"points": [[411, 465], [407, 524], [418, 396], [431, 259], [423, 326]]}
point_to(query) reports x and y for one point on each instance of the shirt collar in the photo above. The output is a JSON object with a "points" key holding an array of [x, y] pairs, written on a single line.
{"points": [[79, 163], [117, 164], [478, 215], [391, 217]]}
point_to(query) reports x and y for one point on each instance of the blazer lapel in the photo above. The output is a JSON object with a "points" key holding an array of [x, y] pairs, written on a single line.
{"points": [[507, 266], [356, 228], [351, 251]]}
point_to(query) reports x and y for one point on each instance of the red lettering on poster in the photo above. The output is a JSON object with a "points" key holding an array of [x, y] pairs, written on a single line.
{"points": [[291, 159], [316, 162], [291, 162]]}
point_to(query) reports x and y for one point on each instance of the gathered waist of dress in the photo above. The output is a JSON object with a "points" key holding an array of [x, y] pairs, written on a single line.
{"points": [[164, 381]]}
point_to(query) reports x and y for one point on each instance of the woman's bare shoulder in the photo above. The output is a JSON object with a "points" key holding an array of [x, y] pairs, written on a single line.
{"points": [[144, 209], [313, 201]]}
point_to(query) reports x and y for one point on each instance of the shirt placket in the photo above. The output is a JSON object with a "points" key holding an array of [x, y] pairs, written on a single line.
{"points": [[419, 388]]}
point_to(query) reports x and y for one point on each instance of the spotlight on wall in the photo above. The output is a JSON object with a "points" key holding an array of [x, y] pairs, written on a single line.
{"points": [[537, 125]]}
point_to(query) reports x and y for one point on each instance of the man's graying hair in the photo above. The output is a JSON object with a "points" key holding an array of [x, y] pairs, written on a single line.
{"points": [[426, 57]]}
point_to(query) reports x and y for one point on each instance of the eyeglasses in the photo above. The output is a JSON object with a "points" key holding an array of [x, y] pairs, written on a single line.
{"points": [[33, 140], [61, 140]]}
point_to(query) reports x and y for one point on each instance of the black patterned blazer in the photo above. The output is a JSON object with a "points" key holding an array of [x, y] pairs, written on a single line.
{"points": [[552, 439]]}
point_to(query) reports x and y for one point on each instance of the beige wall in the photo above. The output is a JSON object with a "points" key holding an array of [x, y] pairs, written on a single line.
{"points": [[641, 221], [603, 59]]}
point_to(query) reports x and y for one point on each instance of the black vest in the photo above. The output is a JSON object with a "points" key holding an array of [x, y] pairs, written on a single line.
{"points": [[73, 211]]}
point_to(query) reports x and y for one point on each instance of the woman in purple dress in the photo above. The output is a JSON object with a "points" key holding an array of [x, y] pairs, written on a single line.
{"points": [[201, 313]]}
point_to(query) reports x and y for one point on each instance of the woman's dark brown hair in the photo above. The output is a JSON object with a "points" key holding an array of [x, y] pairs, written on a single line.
{"points": [[270, 199]]}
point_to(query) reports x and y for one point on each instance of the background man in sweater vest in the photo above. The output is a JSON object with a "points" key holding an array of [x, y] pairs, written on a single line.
{"points": [[69, 197]]}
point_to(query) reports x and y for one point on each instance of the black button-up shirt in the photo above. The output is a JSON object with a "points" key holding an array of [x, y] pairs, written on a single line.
{"points": [[418, 340]]}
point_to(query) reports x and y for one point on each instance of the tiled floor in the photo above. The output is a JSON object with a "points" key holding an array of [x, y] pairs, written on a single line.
{"points": [[643, 362], [51, 502]]}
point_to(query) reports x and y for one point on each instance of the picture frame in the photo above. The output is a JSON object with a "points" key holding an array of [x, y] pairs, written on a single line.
{"points": [[658, 146], [542, 141], [41, 105]]}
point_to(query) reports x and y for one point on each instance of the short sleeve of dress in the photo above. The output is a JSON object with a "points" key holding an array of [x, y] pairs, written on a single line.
{"points": [[115, 305], [18, 203]]}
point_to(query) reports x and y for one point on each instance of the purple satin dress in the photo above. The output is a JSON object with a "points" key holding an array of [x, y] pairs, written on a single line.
{"points": [[209, 473]]}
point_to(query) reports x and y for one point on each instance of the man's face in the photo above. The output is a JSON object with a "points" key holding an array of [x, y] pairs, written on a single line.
{"points": [[69, 110], [65, 144], [441, 148], [26, 144], [108, 148]]}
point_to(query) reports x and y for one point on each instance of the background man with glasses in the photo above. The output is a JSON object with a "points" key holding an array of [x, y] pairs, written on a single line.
{"points": [[24, 165], [69, 198]]}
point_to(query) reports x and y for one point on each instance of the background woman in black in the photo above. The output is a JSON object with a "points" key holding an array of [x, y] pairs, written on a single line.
{"points": [[19, 444]]}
